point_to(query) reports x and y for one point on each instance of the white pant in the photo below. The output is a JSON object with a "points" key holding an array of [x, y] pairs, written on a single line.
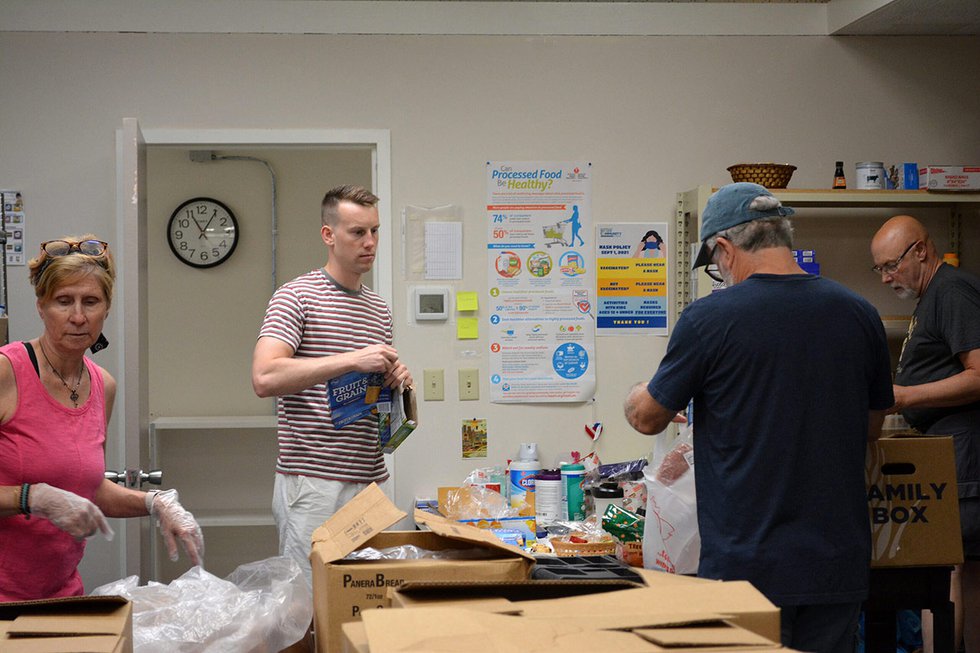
{"points": [[300, 504]]}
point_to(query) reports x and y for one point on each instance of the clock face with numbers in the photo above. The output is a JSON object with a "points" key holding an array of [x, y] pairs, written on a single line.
{"points": [[202, 232]]}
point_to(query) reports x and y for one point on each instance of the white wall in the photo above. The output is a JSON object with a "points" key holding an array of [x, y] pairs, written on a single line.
{"points": [[654, 115]]}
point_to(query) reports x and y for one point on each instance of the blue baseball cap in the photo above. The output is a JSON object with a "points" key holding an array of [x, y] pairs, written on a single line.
{"points": [[732, 205]]}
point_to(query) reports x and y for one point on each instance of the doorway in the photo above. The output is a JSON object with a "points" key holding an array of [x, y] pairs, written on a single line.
{"points": [[160, 302]]}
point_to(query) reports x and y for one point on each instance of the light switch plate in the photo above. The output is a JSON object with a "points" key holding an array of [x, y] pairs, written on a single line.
{"points": [[434, 388], [469, 384]]}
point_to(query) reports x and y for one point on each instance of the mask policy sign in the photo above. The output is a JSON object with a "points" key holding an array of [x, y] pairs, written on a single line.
{"points": [[631, 279]]}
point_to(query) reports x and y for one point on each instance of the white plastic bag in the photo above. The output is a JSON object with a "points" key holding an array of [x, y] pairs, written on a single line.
{"points": [[260, 607], [671, 540]]}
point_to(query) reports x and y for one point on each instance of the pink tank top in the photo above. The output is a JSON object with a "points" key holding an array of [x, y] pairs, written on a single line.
{"points": [[46, 442]]}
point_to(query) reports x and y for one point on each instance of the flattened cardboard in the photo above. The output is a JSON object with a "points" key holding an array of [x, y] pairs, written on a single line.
{"points": [[342, 589], [912, 502], [458, 629], [500, 597], [466, 533], [95, 624], [355, 638], [620, 605], [735, 600]]}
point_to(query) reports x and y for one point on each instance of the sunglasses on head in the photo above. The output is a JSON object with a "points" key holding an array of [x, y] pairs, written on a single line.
{"points": [[66, 247]]}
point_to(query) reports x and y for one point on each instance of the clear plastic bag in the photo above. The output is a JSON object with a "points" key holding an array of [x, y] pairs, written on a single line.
{"points": [[261, 607], [671, 539]]}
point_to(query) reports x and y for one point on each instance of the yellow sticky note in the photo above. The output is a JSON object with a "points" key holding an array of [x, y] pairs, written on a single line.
{"points": [[467, 328], [467, 301]]}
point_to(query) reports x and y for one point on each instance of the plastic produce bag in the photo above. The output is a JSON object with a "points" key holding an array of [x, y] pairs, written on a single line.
{"points": [[671, 541], [260, 607]]}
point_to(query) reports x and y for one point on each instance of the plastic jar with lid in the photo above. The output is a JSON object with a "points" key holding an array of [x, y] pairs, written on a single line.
{"points": [[606, 494], [870, 175]]}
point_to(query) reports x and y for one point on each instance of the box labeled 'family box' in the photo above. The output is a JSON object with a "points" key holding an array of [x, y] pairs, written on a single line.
{"points": [[100, 624], [343, 589], [912, 502]]}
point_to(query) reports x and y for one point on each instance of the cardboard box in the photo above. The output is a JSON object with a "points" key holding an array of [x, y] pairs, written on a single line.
{"points": [[499, 597], [342, 589], [946, 177], [96, 624], [459, 629], [604, 604], [912, 502]]}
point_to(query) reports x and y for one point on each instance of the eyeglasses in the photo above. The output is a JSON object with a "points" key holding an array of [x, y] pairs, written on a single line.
{"points": [[892, 267], [65, 247], [711, 269]]}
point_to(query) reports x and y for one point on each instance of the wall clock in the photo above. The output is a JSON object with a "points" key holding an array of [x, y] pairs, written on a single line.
{"points": [[202, 232]]}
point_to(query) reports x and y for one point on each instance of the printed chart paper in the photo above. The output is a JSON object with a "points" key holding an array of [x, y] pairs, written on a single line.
{"points": [[540, 255]]}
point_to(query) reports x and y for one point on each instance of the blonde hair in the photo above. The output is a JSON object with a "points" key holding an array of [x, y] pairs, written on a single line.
{"points": [[49, 273]]}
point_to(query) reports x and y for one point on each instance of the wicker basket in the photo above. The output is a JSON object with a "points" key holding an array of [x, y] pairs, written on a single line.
{"points": [[769, 175], [566, 549]]}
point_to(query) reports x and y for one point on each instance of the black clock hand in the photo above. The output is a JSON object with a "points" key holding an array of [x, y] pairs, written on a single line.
{"points": [[213, 213], [196, 223]]}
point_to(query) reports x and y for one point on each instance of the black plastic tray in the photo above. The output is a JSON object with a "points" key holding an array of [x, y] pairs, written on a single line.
{"points": [[583, 567]]}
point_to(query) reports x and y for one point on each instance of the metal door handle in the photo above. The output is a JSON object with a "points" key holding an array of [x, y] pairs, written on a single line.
{"points": [[135, 478]]}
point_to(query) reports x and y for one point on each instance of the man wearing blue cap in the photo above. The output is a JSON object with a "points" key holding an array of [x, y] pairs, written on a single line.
{"points": [[790, 379]]}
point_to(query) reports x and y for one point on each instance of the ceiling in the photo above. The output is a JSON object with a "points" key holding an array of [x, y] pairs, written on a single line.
{"points": [[573, 17]]}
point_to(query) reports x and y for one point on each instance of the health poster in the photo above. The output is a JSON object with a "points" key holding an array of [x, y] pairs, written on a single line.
{"points": [[14, 224], [631, 279], [541, 280]]}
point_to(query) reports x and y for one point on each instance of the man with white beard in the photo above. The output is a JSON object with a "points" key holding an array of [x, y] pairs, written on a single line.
{"points": [[937, 383]]}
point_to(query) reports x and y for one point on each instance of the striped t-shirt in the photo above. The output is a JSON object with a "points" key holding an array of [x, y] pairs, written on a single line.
{"points": [[316, 316]]}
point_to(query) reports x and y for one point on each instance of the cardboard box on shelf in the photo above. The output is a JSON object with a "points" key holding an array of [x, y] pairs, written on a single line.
{"points": [[947, 177], [342, 589], [912, 502], [460, 629], [100, 624]]}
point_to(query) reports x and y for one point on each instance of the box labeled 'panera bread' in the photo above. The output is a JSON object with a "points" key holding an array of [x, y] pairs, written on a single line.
{"points": [[912, 502], [342, 589]]}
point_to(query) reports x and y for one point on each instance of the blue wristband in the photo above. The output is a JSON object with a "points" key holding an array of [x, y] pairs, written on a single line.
{"points": [[25, 507]]}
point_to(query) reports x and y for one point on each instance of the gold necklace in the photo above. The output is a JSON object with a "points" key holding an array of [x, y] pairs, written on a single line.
{"points": [[73, 392]]}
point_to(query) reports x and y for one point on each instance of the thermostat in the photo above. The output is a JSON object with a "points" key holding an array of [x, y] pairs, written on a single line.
{"points": [[431, 303]]}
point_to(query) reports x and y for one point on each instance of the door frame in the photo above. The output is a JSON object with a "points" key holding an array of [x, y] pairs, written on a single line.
{"points": [[131, 428]]}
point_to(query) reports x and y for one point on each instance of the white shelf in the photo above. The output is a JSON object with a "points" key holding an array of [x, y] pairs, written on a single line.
{"points": [[230, 422], [691, 203], [870, 198], [215, 518]]}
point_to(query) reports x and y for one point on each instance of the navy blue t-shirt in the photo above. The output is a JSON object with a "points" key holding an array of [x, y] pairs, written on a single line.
{"points": [[783, 370]]}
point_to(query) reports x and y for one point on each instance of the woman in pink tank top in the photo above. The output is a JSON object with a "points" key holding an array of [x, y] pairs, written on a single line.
{"points": [[54, 406]]}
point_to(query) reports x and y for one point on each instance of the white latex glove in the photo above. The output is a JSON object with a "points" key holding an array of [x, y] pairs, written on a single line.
{"points": [[73, 514], [177, 524]]}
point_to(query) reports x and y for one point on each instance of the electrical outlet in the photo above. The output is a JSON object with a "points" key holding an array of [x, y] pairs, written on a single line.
{"points": [[434, 388], [469, 384]]}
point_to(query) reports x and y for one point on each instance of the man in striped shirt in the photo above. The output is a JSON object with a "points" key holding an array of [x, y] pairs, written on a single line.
{"points": [[319, 326]]}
